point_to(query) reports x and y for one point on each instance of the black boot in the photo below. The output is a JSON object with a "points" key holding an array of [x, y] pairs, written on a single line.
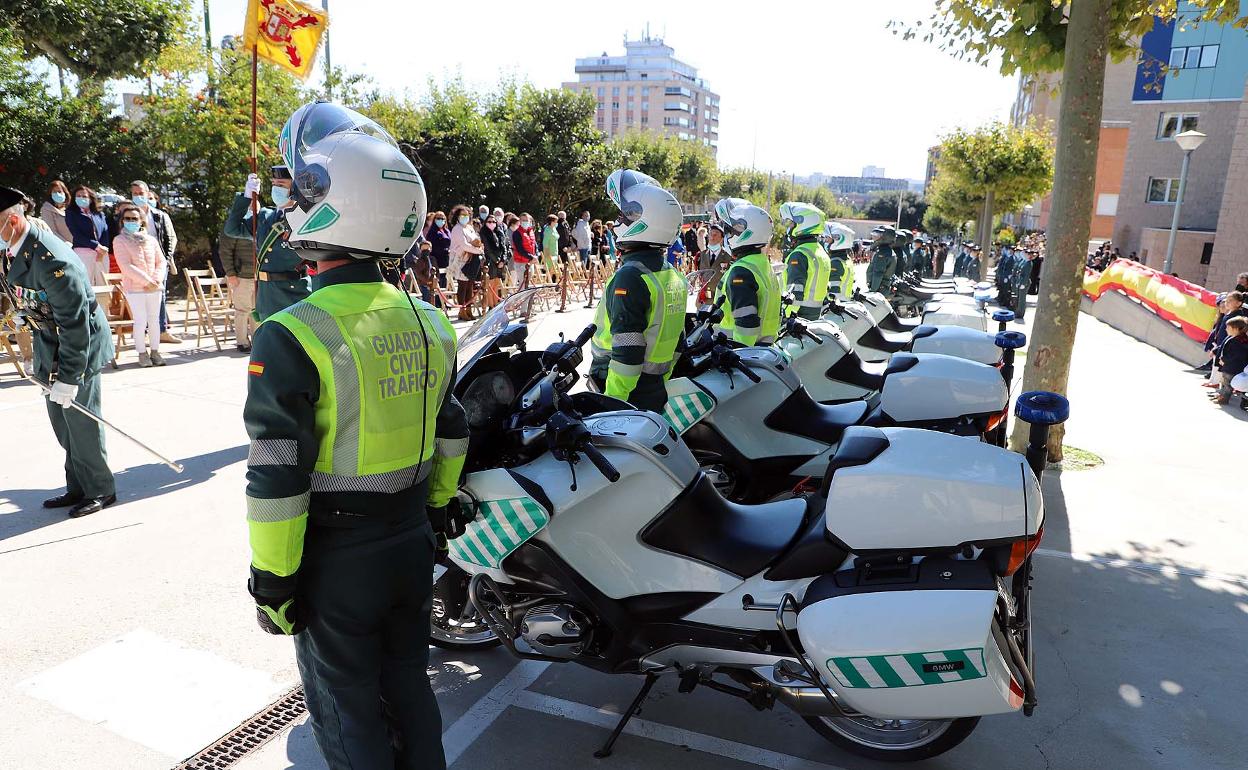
{"points": [[62, 501], [91, 505]]}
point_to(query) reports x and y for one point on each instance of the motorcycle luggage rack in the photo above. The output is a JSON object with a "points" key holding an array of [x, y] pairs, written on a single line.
{"points": [[789, 604]]}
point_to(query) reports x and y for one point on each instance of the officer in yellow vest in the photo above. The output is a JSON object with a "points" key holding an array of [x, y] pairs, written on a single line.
{"points": [[750, 290], [838, 241], [641, 317], [807, 267], [357, 445]]}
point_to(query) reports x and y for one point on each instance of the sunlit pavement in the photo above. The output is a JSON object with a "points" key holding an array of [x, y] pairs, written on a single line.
{"points": [[129, 641]]}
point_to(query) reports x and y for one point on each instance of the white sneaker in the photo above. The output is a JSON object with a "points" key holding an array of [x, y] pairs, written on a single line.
{"points": [[145, 360]]}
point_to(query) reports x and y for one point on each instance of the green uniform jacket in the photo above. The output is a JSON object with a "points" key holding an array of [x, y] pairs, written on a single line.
{"points": [[1019, 282], [275, 256], [73, 337], [881, 268], [283, 388], [628, 306]]}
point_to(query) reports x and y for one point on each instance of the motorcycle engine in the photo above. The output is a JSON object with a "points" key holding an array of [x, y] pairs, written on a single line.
{"points": [[556, 630]]}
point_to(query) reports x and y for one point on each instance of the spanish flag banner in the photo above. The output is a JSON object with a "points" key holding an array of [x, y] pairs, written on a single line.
{"points": [[285, 32]]}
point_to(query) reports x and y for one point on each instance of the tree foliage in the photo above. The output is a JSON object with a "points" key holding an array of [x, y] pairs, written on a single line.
{"points": [[884, 206], [1016, 163], [96, 41]]}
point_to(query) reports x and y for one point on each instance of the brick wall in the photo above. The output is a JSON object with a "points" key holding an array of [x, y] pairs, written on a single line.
{"points": [[1230, 253]]}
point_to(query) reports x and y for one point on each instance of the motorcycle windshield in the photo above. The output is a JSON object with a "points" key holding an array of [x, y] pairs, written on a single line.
{"points": [[520, 307]]}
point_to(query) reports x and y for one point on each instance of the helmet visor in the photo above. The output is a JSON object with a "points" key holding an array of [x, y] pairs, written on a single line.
{"points": [[301, 146]]}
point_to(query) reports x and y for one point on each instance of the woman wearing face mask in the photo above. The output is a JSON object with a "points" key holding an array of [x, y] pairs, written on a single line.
{"points": [[523, 250], [53, 210], [88, 229], [465, 259], [494, 239], [142, 264]]}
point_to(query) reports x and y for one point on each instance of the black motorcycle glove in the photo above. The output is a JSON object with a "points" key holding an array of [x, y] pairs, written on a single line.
{"points": [[276, 614]]}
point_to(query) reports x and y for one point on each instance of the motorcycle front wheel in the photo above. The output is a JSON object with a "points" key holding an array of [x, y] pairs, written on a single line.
{"points": [[893, 740], [454, 624]]}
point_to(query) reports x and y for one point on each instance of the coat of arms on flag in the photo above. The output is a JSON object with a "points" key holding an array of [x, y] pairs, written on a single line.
{"points": [[285, 32]]}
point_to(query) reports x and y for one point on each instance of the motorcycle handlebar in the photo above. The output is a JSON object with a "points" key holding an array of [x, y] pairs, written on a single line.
{"points": [[600, 462], [747, 371], [585, 335], [811, 335]]}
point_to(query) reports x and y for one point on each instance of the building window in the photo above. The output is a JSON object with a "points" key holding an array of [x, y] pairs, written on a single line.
{"points": [[615, 90], [1206, 253], [615, 105], [1107, 205], [602, 91], [645, 90], [631, 90], [1163, 190], [643, 76], [645, 119], [1172, 123], [1195, 56], [645, 106], [676, 106]]}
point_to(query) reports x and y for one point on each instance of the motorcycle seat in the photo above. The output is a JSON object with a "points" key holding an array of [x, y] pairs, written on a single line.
{"points": [[852, 369], [889, 342], [739, 539], [892, 323], [801, 415]]}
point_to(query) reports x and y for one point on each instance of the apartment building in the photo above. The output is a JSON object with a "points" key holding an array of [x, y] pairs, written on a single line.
{"points": [[649, 89], [1187, 76]]}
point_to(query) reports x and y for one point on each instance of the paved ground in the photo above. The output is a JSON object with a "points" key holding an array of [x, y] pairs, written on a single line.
{"points": [[128, 639]]}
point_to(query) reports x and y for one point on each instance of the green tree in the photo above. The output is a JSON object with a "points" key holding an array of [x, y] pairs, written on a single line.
{"points": [[206, 143], [652, 154], [884, 206], [560, 161], [998, 167], [96, 41], [1037, 36], [696, 173]]}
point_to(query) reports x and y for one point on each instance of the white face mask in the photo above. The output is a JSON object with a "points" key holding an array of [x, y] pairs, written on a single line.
{"points": [[714, 247]]}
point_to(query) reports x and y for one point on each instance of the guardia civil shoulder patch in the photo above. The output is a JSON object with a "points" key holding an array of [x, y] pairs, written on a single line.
{"points": [[255, 369]]}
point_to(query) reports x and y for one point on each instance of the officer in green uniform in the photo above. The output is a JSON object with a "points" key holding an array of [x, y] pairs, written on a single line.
{"points": [[883, 262], [48, 284], [280, 282], [807, 268], [357, 446], [641, 317], [838, 241], [1002, 276], [750, 290], [902, 248], [1020, 281]]}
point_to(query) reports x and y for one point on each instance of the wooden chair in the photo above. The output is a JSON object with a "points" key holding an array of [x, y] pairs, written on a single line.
{"points": [[10, 326], [117, 309], [213, 306], [192, 304]]}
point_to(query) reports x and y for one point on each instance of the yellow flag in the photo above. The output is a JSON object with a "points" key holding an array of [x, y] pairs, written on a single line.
{"points": [[285, 32]]}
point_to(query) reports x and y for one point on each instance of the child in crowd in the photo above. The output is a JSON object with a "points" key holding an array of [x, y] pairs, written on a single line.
{"points": [[1232, 357]]}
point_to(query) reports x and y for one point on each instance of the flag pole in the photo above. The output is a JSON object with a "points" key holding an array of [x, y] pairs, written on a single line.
{"points": [[255, 201]]}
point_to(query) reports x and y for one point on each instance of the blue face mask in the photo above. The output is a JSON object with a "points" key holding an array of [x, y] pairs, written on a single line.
{"points": [[281, 196], [58, 198], [139, 200], [82, 202], [463, 220], [132, 227], [439, 222]]}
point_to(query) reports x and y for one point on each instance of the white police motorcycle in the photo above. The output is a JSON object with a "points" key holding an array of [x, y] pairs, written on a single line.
{"points": [[890, 610]]}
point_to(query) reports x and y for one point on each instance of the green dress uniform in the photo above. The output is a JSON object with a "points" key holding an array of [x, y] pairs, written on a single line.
{"points": [[1019, 281], [751, 293], [279, 280], [72, 343], [806, 272], [1003, 276], [881, 268], [640, 322], [355, 434]]}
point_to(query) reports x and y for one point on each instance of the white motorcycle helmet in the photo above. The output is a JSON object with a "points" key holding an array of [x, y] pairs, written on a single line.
{"points": [[801, 218], [837, 237], [748, 225], [723, 209], [649, 215], [355, 193]]}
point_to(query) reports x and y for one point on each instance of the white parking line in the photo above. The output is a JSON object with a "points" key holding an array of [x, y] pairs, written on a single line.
{"points": [[464, 732], [1164, 569], [675, 736]]}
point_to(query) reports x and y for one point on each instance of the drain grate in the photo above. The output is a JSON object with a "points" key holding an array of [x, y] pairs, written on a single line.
{"points": [[235, 745]]}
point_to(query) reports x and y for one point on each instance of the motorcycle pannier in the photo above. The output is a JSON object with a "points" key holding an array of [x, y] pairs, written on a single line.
{"points": [[915, 641]]}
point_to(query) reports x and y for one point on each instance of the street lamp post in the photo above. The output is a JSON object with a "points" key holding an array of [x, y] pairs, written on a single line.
{"points": [[1187, 141]]}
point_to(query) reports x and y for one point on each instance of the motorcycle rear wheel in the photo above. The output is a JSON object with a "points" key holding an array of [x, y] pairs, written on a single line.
{"points": [[454, 624], [893, 740]]}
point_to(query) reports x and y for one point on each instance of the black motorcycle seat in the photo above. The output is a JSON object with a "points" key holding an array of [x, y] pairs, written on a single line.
{"points": [[740, 539], [801, 415], [894, 324], [925, 330], [881, 339], [853, 370]]}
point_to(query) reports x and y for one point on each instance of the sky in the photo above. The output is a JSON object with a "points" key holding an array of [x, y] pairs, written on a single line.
{"points": [[813, 86]]}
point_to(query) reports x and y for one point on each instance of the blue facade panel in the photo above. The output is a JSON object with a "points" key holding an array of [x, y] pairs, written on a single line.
{"points": [[1191, 48]]}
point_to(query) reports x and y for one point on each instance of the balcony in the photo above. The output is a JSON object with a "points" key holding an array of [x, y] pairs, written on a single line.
{"points": [[681, 106]]}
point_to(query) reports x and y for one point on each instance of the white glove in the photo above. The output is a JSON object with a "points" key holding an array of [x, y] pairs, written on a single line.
{"points": [[63, 393], [252, 188]]}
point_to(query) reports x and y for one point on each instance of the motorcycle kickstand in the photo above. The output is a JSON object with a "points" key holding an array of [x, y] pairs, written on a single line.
{"points": [[634, 708]]}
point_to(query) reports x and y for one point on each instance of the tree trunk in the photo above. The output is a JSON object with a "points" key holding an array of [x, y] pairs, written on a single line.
{"points": [[1078, 137], [985, 236]]}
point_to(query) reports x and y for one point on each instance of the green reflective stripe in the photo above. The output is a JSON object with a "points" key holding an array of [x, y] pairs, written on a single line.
{"points": [[346, 451], [271, 509], [916, 665], [885, 670], [851, 676], [913, 669], [685, 410], [502, 527]]}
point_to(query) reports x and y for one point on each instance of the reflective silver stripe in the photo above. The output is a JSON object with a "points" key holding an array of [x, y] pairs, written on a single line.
{"points": [[624, 370], [809, 303], [274, 509], [741, 312], [273, 451], [766, 340], [796, 287], [451, 447], [628, 339], [346, 383], [388, 483], [656, 368]]}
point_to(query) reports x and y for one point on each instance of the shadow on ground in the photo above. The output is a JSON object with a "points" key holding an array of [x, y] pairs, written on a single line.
{"points": [[133, 484]]}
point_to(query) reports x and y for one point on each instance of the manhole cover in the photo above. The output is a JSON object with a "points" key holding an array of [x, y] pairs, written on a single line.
{"points": [[235, 745]]}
